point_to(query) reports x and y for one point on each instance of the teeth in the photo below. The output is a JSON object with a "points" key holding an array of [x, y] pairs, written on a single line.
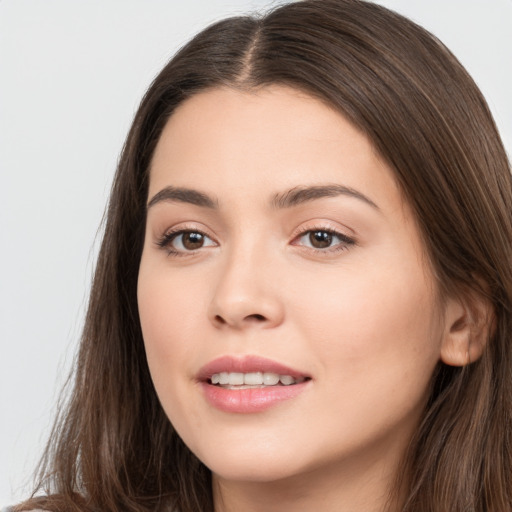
{"points": [[270, 379], [253, 379], [286, 380]]}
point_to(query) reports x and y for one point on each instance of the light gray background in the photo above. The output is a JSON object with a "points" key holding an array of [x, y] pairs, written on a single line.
{"points": [[71, 76]]}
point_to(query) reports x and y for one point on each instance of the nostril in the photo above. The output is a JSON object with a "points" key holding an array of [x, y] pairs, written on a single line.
{"points": [[256, 317], [240, 321], [219, 319]]}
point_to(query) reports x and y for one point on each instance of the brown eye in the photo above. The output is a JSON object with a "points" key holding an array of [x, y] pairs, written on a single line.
{"points": [[324, 240], [192, 240], [186, 241], [320, 239]]}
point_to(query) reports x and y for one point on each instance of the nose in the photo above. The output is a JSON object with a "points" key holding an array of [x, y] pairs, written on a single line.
{"points": [[246, 295]]}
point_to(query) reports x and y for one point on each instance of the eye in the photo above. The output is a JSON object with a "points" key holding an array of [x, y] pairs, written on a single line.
{"points": [[320, 239], [323, 240], [185, 240]]}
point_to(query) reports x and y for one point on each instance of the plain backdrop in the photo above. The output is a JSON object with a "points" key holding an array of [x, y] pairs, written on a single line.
{"points": [[71, 77]]}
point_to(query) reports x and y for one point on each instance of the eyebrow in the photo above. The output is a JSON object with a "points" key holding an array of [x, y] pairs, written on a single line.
{"points": [[293, 197], [299, 195], [183, 195]]}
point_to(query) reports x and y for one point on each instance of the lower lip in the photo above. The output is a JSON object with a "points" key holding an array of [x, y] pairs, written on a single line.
{"points": [[250, 400]]}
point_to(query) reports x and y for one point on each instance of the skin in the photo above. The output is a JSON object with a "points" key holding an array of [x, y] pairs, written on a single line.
{"points": [[361, 318]]}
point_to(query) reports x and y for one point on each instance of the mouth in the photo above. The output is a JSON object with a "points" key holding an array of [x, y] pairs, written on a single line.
{"points": [[249, 384], [253, 371]]}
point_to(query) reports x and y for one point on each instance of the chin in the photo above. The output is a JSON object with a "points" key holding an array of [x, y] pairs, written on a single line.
{"points": [[254, 460], [255, 471]]}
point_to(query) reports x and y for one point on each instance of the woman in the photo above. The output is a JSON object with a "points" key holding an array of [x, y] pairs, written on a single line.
{"points": [[303, 296]]}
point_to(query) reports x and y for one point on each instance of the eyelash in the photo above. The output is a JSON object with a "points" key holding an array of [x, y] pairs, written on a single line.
{"points": [[345, 241], [165, 241]]}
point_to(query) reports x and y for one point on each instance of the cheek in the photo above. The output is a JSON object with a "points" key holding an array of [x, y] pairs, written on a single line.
{"points": [[174, 324], [375, 344], [165, 310], [157, 310], [373, 331], [168, 303]]}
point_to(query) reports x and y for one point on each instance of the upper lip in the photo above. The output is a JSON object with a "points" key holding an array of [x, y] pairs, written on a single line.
{"points": [[246, 364]]}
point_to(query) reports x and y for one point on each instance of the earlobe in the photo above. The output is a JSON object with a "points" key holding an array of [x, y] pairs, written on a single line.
{"points": [[468, 325]]}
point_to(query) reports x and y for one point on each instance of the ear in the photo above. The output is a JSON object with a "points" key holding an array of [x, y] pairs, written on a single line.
{"points": [[469, 320]]}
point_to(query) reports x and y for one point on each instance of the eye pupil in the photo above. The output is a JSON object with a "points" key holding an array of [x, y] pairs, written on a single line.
{"points": [[192, 240], [320, 239]]}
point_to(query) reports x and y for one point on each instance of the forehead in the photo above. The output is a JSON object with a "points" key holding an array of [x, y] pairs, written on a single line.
{"points": [[274, 138]]}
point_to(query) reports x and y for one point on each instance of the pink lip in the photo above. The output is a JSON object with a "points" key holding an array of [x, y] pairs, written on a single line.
{"points": [[253, 399]]}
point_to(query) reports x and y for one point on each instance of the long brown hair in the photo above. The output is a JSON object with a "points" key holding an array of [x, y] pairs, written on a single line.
{"points": [[113, 448]]}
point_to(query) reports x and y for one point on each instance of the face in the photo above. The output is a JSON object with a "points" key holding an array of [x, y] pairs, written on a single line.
{"points": [[289, 314]]}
